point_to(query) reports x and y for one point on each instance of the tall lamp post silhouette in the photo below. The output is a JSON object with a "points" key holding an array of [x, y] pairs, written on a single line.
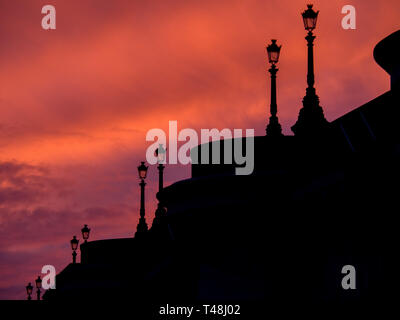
{"points": [[273, 127], [161, 160], [142, 225], [38, 282], [160, 211], [74, 247], [85, 233], [29, 289], [311, 116]]}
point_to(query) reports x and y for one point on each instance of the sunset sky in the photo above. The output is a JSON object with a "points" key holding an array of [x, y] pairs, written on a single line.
{"points": [[76, 102]]}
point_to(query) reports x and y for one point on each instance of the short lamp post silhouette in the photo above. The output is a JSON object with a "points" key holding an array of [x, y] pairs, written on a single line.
{"points": [[273, 127], [142, 225], [311, 116], [74, 247], [29, 289], [85, 233], [38, 282]]}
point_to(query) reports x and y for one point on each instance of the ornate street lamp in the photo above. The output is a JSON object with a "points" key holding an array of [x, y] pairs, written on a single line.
{"points": [[29, 289], [38, 282], [160, 211], [311, 117], [160, 159], [142, 225], [85, 233], [310, 22], [74, 247], [273, 127]]}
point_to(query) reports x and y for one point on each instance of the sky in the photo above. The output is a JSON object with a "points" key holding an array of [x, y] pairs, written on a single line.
{"points": [[76, 102]]}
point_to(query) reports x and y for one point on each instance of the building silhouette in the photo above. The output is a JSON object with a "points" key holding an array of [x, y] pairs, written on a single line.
{"points": [[282, 234]]}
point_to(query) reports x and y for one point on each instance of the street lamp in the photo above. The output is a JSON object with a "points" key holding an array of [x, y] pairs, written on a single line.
{"points": [[74, 247], [311, 117], [38, 282], [273, 127], [85, 233], [310, 22], [142, 225], [160, 211], [29, 289], [310, 18], [161, 159]]}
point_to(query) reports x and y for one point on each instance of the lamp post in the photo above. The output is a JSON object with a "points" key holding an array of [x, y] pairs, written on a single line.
{"points": [[311, 117], [142, 225], [38, 282], [29, 289], [161, 160], [85, 232], [160, 211], [310, 22], [74, 247], [273, 127]]}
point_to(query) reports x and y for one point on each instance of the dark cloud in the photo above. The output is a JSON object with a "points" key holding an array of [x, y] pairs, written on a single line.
{"points": [[21, 183]]}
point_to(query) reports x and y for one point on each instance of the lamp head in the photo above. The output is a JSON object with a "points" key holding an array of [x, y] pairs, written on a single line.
{"points": [[273, 51], [142, 169], [310, 18], [74, 243]]}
